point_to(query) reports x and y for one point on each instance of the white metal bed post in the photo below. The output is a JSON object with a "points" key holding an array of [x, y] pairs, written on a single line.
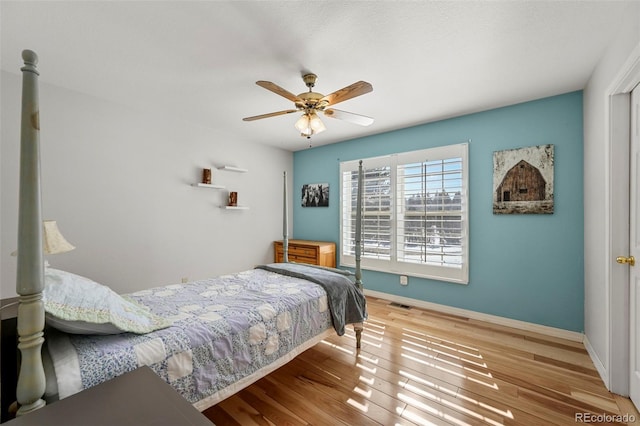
{"points": [[30, 271], [285, 224]]}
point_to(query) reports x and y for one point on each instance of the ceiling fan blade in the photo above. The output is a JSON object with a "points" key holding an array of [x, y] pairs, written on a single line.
{"points": [[356, 89], [278, 90], [362, 120], [271, 114]]}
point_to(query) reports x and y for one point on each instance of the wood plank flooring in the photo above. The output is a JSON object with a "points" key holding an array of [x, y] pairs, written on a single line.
{"points": [[420, 367]]}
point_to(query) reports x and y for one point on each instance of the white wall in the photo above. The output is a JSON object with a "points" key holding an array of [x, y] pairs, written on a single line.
{"points": [[117, 181], [604, 303]]}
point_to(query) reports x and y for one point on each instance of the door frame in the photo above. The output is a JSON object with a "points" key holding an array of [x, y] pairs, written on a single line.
{"points": [[617, 218]]}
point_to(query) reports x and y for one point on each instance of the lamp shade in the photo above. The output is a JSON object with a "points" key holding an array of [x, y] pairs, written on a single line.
{"points": [[303, 125], [316, 124], [54, 242]]}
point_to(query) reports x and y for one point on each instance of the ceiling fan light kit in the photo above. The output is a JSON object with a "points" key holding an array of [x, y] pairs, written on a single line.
{"points": [[310, 103], [310, 124]]}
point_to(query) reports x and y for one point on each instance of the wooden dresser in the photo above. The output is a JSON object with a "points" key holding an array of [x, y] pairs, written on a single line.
{"points": [[321, 253]]}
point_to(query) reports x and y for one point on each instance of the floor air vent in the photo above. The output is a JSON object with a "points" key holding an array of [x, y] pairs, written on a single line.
{"points": [[400, 305]]}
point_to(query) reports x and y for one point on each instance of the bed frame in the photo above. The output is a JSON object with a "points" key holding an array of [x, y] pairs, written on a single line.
{"points": [[30, 266]]}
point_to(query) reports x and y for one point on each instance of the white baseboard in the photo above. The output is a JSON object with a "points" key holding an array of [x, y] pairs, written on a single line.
{"points": [[494, 319], [604, 375]]}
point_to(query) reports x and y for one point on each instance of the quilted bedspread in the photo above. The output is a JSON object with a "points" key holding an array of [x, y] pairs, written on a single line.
{"points": [[224, 329], [346, 303]]}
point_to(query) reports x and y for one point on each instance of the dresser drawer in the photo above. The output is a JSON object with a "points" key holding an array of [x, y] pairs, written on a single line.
{"points": [[303, 251], [297, 257], [303, 259]]}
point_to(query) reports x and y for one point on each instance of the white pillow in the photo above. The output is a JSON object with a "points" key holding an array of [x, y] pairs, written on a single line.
{"points": [[78, 305]]}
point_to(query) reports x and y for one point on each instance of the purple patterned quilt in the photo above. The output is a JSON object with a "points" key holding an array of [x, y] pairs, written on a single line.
{"points": [[225, 329]]}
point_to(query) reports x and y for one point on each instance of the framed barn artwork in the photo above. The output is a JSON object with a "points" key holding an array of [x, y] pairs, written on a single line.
{"points": [[523, 180]]}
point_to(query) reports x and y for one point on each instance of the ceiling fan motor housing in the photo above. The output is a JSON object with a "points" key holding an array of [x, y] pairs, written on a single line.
{"points": [[311, 100]]}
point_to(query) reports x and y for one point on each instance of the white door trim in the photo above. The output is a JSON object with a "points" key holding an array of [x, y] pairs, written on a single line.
{"points": [[617, 218], [634, 248], [618, 228]]}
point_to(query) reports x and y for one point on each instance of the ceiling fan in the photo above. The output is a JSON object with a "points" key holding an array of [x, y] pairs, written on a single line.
{"points": [[311, 103]]}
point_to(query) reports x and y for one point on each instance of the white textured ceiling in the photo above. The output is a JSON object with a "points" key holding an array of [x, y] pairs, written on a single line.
{"points": [[426, 60]]}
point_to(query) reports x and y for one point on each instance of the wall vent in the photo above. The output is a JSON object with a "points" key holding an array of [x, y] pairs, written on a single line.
{"points": [[400, 305]]}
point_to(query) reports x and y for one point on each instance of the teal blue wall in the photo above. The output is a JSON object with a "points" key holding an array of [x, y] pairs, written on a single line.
{"points": [[524, 267]]}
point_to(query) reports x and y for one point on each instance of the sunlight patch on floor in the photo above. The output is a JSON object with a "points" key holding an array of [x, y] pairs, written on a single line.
{"points": [[362, 407], [447, 354], [419, 420], [365, 393], [446, 402], [434, 411], [375, 323], [505, 413], [370, 343], [461, 351], [367, 369], [443, 355], [453, 391], [453, 373], [374, 328], [445, 361], [366, 380], [440, 339], [340, 348], [415, 351], [366, 333], [371, 329], [368, 359]]}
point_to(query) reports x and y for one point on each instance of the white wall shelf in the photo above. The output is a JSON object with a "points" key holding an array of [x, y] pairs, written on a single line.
{"points": [[235, 207], [212, 186], [233, 169], [207, 185]]}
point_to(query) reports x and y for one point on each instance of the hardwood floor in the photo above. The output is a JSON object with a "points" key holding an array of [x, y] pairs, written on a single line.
{"points": [[419, 367]]}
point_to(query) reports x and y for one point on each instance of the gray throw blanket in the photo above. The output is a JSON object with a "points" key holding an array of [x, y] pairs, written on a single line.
{"points": [[346, 302]]}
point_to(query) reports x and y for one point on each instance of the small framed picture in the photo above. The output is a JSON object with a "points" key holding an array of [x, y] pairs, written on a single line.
{"points": [[315, 195]]}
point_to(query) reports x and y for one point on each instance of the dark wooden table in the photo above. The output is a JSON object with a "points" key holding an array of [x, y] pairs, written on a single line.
{"points": [[138, 398], [8, 355]]}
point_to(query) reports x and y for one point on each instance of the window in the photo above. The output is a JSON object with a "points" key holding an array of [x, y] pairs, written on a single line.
{"points": [[415, 213]]}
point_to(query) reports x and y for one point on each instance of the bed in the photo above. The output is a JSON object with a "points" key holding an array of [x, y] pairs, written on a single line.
{"points": [[208, 339]]}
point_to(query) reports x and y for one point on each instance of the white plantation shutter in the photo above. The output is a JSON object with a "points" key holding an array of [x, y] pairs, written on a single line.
{"points": [[415, 213], [376, 219]]}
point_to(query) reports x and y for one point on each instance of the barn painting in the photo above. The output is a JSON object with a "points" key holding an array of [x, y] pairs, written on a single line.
{"points": [[523, 180]]}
